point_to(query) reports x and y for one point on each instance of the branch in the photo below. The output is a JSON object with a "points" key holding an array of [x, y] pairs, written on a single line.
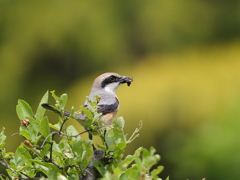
{"points": [[91, 171], [8, 167]]}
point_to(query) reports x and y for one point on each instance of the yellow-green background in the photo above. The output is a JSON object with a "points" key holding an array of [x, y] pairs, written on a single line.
{"points": [[184, 57]]}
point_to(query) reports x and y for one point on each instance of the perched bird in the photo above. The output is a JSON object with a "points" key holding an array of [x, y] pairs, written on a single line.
{"points": [[105, 87]]}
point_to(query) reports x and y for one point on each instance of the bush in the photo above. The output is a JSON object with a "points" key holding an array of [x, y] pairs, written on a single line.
{"points": [[57, 151]]}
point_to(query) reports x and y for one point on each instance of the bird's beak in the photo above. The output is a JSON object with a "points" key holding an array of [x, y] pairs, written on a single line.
{"points": [[125, 79]]}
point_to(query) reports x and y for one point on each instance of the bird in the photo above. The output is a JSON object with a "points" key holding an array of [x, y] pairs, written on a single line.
{"points": [[105, 87]]}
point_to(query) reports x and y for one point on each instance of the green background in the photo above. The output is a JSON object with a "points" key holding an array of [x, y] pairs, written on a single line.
{"points": [[184, 57]]}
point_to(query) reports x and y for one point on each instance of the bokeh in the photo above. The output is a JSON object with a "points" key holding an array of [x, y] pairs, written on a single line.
{"points": [[184, 57]]}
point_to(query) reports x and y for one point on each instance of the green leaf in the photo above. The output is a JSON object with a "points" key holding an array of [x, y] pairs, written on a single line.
{"points": [[45, 150], [123, 177], [50, 166], [88, 147], [137, 159], [31, 173], [56, 148], [56, 126], [152, 150], [73, 176], [24, 110], [54, 96], [99, 166], [12, 175], [24, 154], [156, 171], [7, 155], [167, 178], [40, 110], [64, 145], [25, 134], [61, 177], [44, 125], [149, 159], [34, 124], [32, 132], [78, 147], [87, 112], [119, 123], [110, 139], [121, 145], [133, 172], [71, 130], [63, 100], [129, 159], [72, 111]]}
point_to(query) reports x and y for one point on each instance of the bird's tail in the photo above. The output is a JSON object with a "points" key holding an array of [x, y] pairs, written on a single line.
{"points": [[77, 117]]}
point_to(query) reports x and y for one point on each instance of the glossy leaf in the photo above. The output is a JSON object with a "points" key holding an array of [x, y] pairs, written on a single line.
{"points": [[25, 134], [63, 100], [156, 171], [40, 110], [25, 156], [24, 110], [44, 126], [87, 112]]}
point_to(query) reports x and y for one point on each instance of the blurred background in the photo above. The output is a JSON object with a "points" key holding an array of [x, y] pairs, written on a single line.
{"points": [[183, 55]]}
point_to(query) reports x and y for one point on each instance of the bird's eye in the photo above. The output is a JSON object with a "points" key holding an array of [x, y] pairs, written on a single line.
{"points": [[112, 78]]}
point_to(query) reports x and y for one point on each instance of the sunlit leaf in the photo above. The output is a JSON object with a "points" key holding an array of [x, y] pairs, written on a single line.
{"points": [[157, 171], [25, 134], [71, 130], [133, 172], [56, 126], [99, 166], [31, 173], [129, 159], [40, 110], [77, 146], [87, 112], [44, 125], [54, 96], [24, 154], [123, 177], [34, 123], [63, 101], [48, 165], [24, 110], [45, 150]]}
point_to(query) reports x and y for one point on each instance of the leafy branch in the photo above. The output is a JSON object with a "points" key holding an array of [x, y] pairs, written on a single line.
{"points": [[52, 151]]}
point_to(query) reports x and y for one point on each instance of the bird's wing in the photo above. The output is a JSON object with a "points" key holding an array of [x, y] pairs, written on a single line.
{"points": [[107, 108]]}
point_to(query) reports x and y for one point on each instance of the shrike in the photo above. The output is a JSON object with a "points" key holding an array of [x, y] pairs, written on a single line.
{"points": [[105, 87]]}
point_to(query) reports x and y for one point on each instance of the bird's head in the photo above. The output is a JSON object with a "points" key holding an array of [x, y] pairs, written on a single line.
{"points": [[111, 81]]}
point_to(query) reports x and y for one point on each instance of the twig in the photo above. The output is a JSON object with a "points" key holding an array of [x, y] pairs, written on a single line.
{"points": [[135, 135], [59, 167], [11, 169], [8, 167], [51, 134], [16, 134], [65, 120], [3, 175]]}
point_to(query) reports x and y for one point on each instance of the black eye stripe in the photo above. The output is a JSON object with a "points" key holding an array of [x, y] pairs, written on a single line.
{"points": [[109, 80]]}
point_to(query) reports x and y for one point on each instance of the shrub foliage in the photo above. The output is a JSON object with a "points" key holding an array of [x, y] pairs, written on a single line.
{"points": [[57, 151]]}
